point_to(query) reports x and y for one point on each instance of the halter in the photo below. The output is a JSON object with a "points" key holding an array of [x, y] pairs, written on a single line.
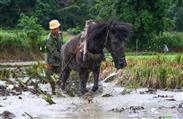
{"points": [[84, 47], [107, 36], [106, 40]]}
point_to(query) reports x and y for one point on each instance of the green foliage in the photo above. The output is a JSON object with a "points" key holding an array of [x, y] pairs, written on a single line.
{"points": [[178, 59], [174, 41], [33, 30], [106, 10], [148, 17], [162, 75], [75, 12], [10, 11], [176, 14], [45, 10], [159, 72], [74, 31], [13, 40], [30, 26]]}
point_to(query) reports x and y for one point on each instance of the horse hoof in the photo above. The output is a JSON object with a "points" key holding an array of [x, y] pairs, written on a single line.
{"points": [[95, 88], [53, 93], [83, 91], [62, 87]]}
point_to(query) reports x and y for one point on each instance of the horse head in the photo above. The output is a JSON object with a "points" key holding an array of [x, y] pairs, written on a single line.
{"points": [[117, 34]]}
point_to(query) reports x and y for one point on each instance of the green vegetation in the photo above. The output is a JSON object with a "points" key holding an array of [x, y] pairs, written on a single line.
{"points": [[149, 18], [153, 21], [13, 40], [173, 40], [160, 71], [29, 41], [156, 71]]}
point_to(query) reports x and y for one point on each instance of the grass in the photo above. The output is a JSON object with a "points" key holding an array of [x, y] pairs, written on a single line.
{"points": [[13, 40], [156, 71], [16, 45]]}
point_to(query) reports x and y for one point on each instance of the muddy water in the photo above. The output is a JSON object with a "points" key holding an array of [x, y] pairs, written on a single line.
{"points": [[137, 104]]}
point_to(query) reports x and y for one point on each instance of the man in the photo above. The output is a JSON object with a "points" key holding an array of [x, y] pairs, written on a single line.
{"points": [[53, 45]]}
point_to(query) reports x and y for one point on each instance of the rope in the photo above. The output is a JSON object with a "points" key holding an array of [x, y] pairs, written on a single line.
{"points": [[66, 65]]}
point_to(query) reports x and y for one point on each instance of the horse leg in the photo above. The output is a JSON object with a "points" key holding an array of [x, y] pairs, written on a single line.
{"points": [[64, 76], [84, 78], [96, 77]]}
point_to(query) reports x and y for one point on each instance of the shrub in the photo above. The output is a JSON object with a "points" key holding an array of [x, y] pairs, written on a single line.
{"points": [[13, 40], [174, 41], [31, 27], [74, 31]]}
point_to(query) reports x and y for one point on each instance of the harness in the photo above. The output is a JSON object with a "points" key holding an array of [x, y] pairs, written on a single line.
{"points": [[83, 43]]}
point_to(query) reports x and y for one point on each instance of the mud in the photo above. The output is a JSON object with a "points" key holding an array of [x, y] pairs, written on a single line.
{"points": [[110, 102], [134, 105]]}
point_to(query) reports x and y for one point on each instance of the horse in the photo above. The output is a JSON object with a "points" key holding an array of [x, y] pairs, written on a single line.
{"points": [[111, 36]]}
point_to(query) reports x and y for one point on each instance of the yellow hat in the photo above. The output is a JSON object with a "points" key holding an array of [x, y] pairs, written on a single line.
{"points": [[54, 24]]}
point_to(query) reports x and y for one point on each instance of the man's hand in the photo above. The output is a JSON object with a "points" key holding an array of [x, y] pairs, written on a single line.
{"points": [[48, 66]]}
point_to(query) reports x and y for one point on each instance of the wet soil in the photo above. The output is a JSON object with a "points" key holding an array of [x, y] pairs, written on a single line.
{"points": [[110, 102], [116, 105]]}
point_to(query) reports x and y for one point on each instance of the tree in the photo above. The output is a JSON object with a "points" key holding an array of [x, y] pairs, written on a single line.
{"points": [[176, 14], [149, 18], [75, 12], [10, 11], [32, 29]]}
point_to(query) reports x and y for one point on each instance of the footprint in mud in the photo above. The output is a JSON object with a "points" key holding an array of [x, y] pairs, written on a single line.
{"points": [[131, 109], [164, 107], [88, 96], [7, 115], [171, 99], [135, 109], [166, 97], [180, 108], [117, 110], [3, 91], [149, 91], [163, 96]]}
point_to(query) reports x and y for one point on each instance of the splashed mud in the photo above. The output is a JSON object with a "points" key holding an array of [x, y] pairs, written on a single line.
{"points": [[131, 105], [110, 102]]}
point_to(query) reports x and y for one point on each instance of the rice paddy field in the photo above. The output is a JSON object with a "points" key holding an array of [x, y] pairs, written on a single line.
{"points": [[150, 87]]}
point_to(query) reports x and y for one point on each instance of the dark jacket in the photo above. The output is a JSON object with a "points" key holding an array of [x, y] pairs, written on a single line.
{"points": [[53, 46]]}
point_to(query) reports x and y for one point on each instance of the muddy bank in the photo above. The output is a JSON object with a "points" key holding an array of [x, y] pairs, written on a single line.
{"points": [[140, 103], [20, 56]]}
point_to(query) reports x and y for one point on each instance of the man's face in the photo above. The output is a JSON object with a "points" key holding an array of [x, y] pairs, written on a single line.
{"points": [[56, 31]]}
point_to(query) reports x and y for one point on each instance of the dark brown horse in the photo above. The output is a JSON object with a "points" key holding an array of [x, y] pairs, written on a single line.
{"points": [[100, 35]]}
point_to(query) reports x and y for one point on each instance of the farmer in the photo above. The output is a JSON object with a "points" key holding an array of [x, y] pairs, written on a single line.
{"points": [[53, 46]]}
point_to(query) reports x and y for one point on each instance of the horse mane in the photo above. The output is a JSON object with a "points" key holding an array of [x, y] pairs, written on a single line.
{"points": [[95, 29], [125, 29], [97, 33]]}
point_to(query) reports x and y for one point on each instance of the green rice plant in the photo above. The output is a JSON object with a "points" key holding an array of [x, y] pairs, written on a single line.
{"points": [[162, 76], [178, 59], [159, 59], [155, 72], [147, 72]]}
